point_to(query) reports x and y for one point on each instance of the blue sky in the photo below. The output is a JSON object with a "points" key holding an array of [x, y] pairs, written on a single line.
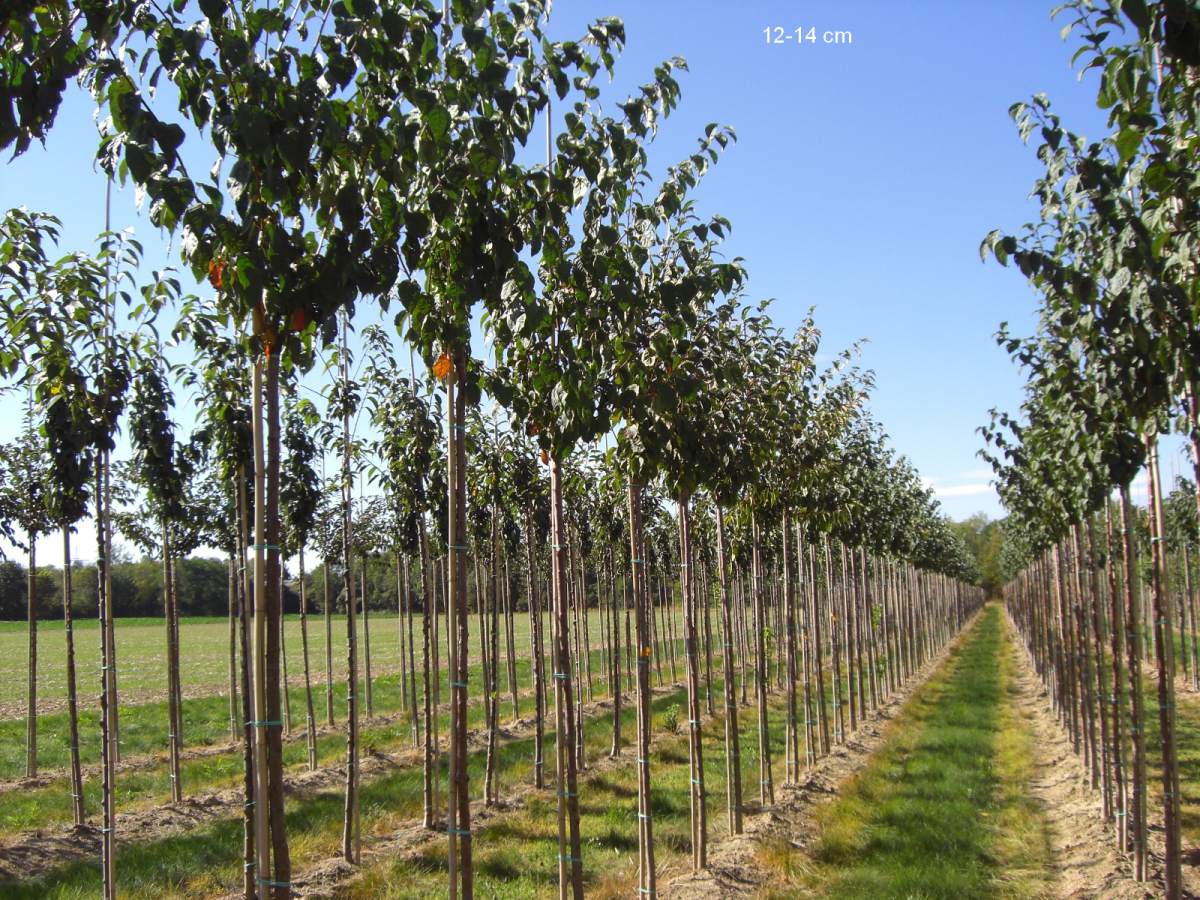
{"points": [[864, 178]]}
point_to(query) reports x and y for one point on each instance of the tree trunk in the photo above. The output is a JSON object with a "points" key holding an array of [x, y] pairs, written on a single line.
{"points": [[366, 617], [647, 877], [458, 633], [1133, 647], [491, 696], [570, 863], [537, 652], [249, 744], [692, 663], [429, 744], [792, 755], [280, 887], [765, 776], [614, 655], [107, 704], [351, 836], [72, 694], [234, 727], [1117, 644], [31, 695], [172, 672], [733, 752], [328, 610], [287, 699], [1164, 652], [310, 720]]}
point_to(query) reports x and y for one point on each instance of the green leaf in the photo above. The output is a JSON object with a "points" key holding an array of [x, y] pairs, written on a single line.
{"points": [[438, 120], [1127, 142]]}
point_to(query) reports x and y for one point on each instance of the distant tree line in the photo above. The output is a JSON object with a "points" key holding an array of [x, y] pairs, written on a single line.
{"points": [[137, 589], [984, 537]]}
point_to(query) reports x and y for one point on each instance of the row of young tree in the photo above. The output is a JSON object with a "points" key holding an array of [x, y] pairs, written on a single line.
{"points": [[640, 432], [1113, 365]]}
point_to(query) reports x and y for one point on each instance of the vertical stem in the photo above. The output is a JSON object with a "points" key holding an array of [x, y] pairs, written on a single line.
{"points": [[310, 722], [72, 694], [350, 830], [1164, 652], [647, 876]]}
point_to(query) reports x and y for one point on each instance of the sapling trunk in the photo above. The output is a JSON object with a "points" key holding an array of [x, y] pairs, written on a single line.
{"points": [[310, 720], [457, 631], [733, 756], [647, 876], [234, 726], [792, 739], [328, 611], [818, 616], [172, 672], [429, 745], [1164, 652], [31, 765], [107, 704], [765, 775], [280, 888], [287, 700], [1133, 647], [510, 638], [366, 617], [249, 745], [692, 664], [72, 692], [350, 811], [537, 653], [570, 863]]}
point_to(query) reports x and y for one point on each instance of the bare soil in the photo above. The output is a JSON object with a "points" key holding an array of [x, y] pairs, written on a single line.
{"points": [[1086, 863]]}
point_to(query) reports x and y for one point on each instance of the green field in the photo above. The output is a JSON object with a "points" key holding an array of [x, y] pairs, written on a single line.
{"points": [[204, 655]]}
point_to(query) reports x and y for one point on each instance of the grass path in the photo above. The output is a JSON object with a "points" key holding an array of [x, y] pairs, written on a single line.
{"points": [[943, 809]]}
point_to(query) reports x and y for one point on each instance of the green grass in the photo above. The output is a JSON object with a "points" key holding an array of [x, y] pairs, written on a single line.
{"points": [[203, 666], [206, 720], [516, 856], [940, 810], [204, 653], [206, 861]]}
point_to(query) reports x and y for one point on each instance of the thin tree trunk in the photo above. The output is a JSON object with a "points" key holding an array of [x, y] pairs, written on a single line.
{"points": [[647, 876], [107, 710], [72, 693], [1117, 643], [249, 745], [537, 652], [310, 715], [328, 611], [692, 663], [570, 863], [1164, 651], [280, 887], [234, 727], [510, 638], [733, 753], [765, 776], [428, 615], [287, 700], [1133, 647], [31, 765], [792, 753], [457, 634], [172, 672]]}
